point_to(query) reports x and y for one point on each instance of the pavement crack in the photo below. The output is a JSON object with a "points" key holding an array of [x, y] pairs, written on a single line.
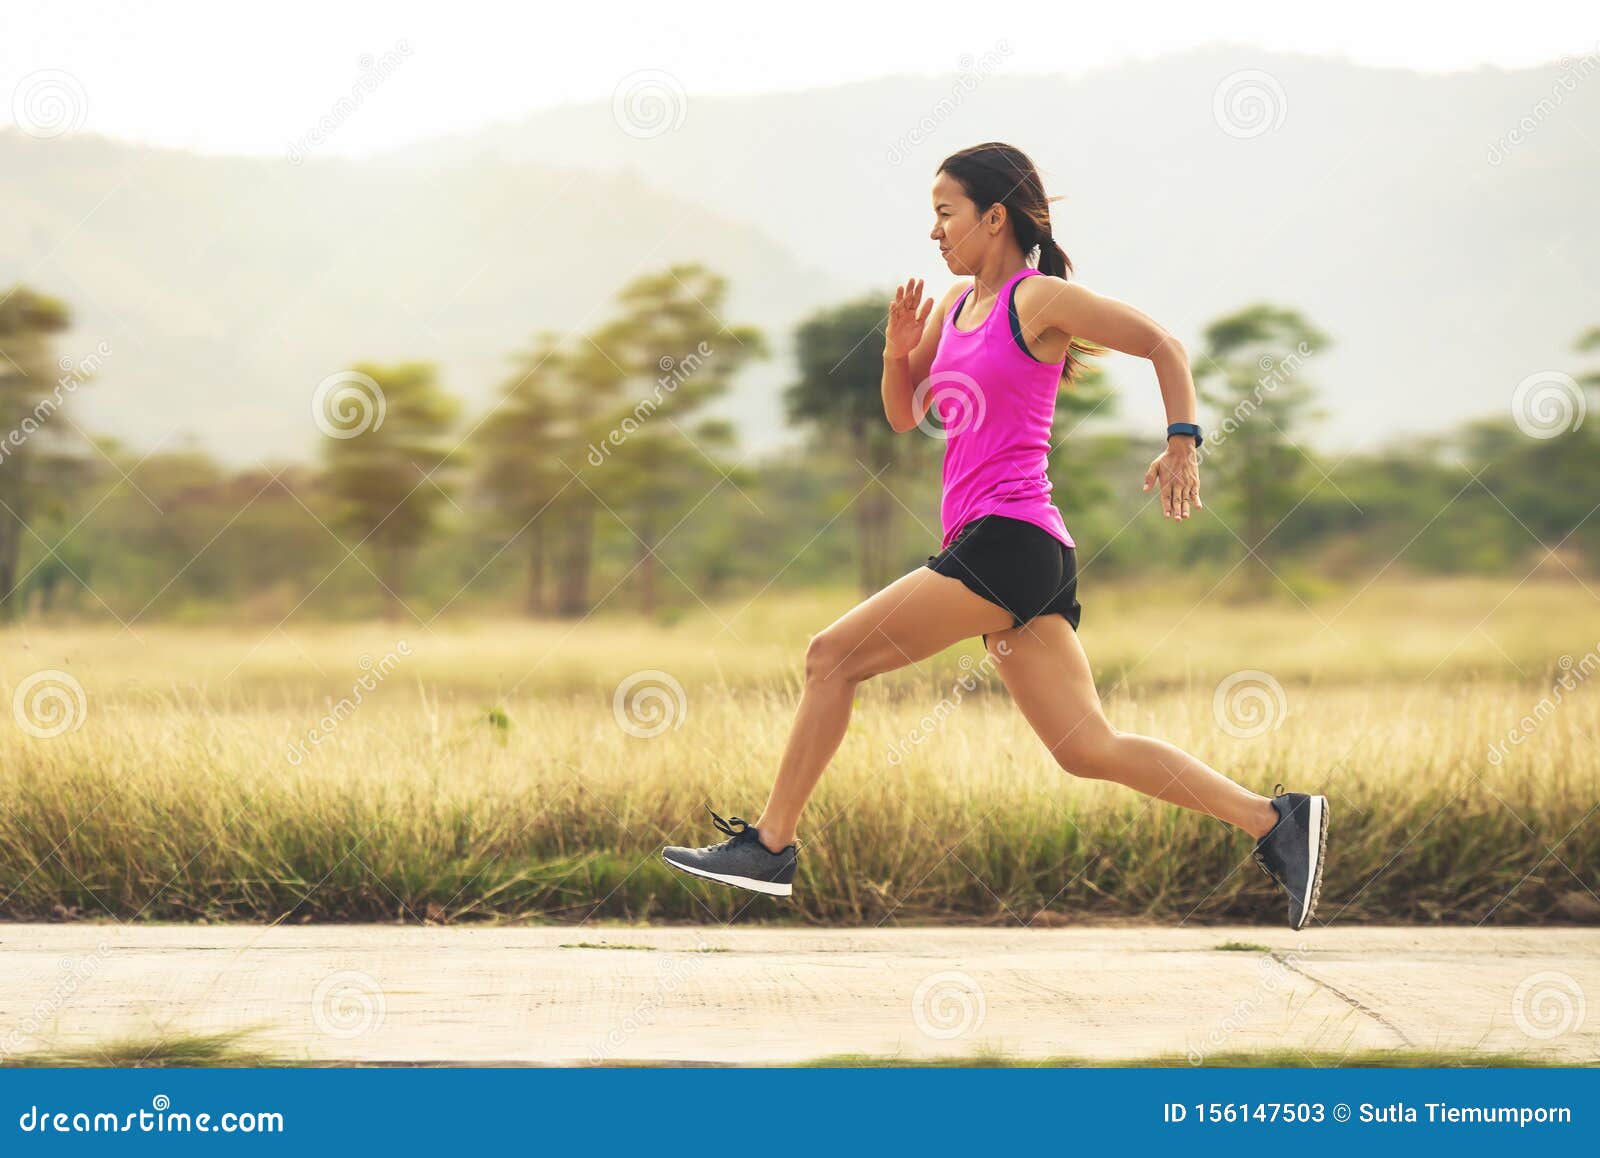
{"points": [[1354, 1002]]}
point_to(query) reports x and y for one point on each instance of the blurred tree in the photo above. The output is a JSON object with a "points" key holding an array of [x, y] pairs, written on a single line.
{"points": [[1251, 371], [838, 398], [32, 388], [384, 478], [1589, 343], [642, 459], [520, 445], [1547, 482], [605, 425], [661, 473]]}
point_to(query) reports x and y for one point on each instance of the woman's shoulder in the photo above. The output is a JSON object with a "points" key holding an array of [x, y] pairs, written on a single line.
{"points": [[1042, 285], [953, 295], [1044, 296]]}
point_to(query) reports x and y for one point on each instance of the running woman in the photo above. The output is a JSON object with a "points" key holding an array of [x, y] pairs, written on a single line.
{"points": [[990, 361]]}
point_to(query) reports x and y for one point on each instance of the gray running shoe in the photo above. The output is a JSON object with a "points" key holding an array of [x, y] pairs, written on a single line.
{"points": [[1292, 853], [740, 860]]}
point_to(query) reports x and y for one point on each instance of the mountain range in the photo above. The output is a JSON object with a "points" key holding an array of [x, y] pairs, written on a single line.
{"points": [[1440, 228]]}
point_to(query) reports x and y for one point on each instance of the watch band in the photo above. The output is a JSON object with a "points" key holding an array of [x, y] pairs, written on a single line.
{"points": [[1186, 428]]}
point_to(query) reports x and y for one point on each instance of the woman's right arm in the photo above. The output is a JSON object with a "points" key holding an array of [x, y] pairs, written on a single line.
{"points": [[911, 338]]}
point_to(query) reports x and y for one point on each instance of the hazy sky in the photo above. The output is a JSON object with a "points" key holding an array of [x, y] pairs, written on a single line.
{"points": [[223, 77]]}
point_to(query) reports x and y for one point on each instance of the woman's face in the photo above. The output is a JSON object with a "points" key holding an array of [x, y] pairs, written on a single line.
{"points": [[961, 234]]}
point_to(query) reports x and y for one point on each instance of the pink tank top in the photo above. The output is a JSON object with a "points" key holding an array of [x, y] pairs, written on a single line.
{"points": [[997, 403]]}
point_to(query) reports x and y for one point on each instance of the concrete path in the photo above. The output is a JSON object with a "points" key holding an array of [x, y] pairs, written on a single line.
{"points": [[746, 995]]}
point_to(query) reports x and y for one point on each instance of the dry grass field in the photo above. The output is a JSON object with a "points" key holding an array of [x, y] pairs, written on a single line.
{"points": [[465, 770]]}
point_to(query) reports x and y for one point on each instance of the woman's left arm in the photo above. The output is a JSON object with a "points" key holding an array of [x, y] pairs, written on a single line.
{"points": [[1082, 313]]}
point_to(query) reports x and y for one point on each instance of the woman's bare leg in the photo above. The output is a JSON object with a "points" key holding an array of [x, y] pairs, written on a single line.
{"points": [[1045, 669], [916, 616]]}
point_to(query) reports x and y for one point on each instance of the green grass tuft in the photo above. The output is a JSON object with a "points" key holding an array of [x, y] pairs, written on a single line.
{"points": [[229, 1049]]}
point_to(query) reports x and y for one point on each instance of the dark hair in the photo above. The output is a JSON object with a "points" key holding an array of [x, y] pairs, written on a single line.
{"points": [[995, 173]]}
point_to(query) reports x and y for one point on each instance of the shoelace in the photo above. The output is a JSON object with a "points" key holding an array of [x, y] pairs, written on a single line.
{"points": [[727, 827], [733, 834]]}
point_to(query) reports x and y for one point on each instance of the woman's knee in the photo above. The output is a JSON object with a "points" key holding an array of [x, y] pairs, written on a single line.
{"points": [[1089, 752], [830, 657]]}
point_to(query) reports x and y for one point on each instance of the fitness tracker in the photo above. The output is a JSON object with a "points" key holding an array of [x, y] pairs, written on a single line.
{"points": [[1185, 428]]}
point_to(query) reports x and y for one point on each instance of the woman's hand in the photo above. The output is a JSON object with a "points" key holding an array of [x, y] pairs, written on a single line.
{"points": [[1176, 474], [907, 314]]}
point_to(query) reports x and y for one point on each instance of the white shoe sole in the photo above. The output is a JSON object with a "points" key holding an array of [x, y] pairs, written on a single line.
{"points": [[771, 888], [1317, 823]]}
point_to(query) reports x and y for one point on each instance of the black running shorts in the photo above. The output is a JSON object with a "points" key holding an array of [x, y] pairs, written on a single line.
{"points": [[1021, 567]]}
